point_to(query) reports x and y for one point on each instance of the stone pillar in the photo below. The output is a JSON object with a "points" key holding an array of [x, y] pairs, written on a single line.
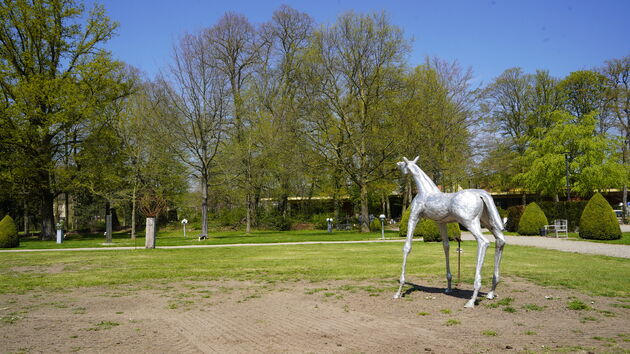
{"points": [[150, 231], [108, 228]]}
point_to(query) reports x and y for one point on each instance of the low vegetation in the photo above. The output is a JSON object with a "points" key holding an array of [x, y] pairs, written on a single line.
{"points": [[532, 220], [598, 220]]}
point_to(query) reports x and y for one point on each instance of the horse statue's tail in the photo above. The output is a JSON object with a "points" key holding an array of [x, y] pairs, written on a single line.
{"points": [[491, 209]]}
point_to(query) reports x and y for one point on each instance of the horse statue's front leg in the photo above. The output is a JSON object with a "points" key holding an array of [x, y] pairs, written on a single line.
{"points": [[411, 225]]}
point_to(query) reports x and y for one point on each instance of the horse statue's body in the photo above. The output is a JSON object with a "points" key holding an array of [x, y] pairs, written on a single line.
{"points": [[473, 208]]}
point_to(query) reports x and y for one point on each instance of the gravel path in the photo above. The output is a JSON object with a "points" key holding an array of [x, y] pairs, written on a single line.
{"points": [[566, 245]]}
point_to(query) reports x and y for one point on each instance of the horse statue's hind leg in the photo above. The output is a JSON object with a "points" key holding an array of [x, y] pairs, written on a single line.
{"points": [[444, 234], [499, 243], [482, 245]]}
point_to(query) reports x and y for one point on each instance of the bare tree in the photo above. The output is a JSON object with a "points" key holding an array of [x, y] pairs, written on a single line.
{"points": [[276, 85], [617, 73], [235, 47], [197, 107]]}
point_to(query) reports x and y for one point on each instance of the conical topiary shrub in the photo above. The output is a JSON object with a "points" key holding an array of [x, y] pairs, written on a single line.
{"points": [[532, 220], [598, 220], [8, 233]]}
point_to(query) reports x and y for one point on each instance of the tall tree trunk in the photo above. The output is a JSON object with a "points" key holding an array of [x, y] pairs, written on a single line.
{"points": [[365, 222], [625, 204], [248, 216], [66, 206], [47, 214], [556, 198], [133, 213], [204, 205], [26, 231], [388, 207]]}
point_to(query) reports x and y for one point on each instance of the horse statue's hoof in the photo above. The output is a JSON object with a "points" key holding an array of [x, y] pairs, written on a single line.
{"points": [[397, 296], [470, 304], [490, 295], [448, 291]]}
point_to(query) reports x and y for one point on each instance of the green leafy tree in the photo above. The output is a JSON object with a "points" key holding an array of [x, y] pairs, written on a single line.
{"points": [[585, 92], [54, 77], [592, 161], [353, 68], [598, 220], [435, 114]]}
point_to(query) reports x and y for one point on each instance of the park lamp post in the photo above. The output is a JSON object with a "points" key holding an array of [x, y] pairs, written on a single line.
{"points": [[329, 221], [382, 218], [184, 222]]}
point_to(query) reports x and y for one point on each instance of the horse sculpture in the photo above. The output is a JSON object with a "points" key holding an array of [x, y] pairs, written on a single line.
{"points": [[472, 208]]}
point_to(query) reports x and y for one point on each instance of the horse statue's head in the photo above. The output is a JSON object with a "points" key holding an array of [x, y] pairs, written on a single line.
{"points": [[404, 165]]}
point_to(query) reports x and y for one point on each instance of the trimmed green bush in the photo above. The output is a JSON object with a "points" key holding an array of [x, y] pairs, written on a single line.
{"points": [[428, 229], [8, 233], [514, 214], [274, 220], [375, 225], [404, 219], [532, 220], [430, 232], [571, 211], [598, 221]]}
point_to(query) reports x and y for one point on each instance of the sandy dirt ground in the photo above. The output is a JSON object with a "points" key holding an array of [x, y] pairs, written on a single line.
{"points": [[301, 317]]}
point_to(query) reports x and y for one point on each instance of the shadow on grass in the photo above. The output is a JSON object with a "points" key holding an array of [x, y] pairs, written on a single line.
{"points": [[457, 293]]}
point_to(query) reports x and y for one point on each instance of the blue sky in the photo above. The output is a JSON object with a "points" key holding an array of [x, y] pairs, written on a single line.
{"points": [[490, 35]]}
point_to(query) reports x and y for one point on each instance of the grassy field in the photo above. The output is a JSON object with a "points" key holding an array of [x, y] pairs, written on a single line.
{"points": [[20, 272], [176, 238]]}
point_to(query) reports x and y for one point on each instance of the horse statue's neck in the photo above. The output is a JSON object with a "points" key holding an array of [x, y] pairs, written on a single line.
{"points": [[423, 182]]}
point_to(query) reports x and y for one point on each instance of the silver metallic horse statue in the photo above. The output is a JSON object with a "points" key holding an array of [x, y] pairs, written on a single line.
{"points": [[472, 208]]}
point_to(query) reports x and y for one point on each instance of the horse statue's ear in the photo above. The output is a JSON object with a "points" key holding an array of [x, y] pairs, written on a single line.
{"points": [[416, 159], [405, 159]]}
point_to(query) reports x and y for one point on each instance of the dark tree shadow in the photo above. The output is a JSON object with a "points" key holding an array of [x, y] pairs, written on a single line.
{"points": [[455, 292]]}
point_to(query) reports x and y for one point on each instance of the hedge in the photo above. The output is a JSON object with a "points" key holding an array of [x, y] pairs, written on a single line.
{"points": [[571, 211]]}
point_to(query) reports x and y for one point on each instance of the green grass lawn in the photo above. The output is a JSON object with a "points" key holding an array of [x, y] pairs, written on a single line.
{"points": [[176, 238], [20, 272]]}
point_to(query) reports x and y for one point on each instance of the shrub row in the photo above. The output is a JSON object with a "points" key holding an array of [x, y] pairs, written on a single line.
{"points": [[596, 218]]}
